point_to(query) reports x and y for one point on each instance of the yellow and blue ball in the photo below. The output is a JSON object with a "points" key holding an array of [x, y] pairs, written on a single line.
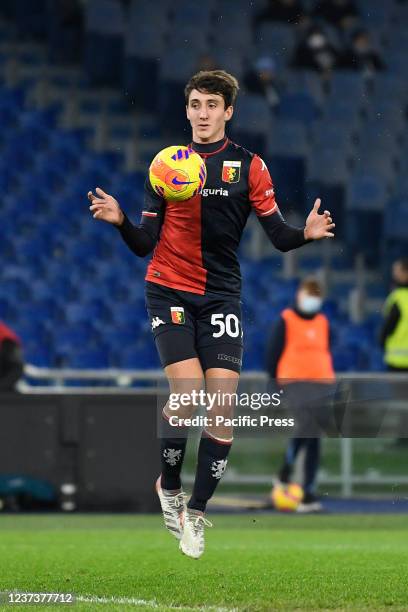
{"points": [[177, 173], [286, 498]]}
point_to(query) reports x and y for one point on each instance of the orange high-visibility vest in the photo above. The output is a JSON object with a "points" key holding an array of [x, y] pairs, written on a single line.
{"points": [[306, 355]]}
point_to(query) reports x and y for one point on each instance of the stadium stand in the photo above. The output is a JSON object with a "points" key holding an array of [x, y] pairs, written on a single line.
{"points": [[73, 120]]}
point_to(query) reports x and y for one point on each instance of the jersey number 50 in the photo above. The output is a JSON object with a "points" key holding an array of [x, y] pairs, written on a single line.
{"points": [[229, 326]]}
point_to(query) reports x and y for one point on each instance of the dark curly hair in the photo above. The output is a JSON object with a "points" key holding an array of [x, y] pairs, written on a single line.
{"points": [[215, 82]]}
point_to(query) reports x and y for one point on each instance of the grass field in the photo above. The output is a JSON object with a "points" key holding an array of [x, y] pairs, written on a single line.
{"points": [[253, 562]]}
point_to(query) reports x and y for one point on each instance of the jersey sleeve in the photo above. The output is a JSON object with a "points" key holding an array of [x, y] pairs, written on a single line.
{"points": [[283, 236], [261, 191], [141, 239], [153, 210]]}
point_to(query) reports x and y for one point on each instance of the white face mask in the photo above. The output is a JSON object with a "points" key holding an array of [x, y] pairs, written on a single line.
{"points": [[310, 304], [317, 41]]}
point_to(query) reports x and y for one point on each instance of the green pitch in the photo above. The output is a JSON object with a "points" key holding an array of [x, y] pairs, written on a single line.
{"points": [[253, 562]]}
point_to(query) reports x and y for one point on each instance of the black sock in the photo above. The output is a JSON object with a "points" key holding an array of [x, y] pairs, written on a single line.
{"points": [[312, 460], [172, 454], [211, 464]]}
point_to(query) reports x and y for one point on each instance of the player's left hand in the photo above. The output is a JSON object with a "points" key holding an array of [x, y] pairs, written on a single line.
{"points": [[318, 226]]}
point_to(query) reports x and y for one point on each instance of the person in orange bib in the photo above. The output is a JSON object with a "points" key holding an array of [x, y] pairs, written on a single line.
{"points": [[299, 360]]}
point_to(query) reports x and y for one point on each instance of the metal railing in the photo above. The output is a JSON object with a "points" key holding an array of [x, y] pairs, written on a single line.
{"points": [[56, 381]]}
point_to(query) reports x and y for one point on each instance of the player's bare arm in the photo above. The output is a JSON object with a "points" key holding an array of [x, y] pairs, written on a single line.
{"points": [[318, 226], [105, 208]]}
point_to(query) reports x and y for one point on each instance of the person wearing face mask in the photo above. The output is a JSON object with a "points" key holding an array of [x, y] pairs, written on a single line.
{"points": [[315, 52], [300, 360]]}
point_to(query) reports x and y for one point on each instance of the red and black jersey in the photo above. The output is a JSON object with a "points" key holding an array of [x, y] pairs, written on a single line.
{"points": [[7, 334], [197, 240]]}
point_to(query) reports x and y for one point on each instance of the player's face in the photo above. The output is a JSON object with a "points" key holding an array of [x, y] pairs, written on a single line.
{"points": [[207, 115]]}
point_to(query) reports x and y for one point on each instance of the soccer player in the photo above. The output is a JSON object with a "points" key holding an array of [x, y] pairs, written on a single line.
{"points": [[193, 286]]}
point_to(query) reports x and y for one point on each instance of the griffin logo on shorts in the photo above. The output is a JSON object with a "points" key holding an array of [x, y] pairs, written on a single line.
{"points": [[231, 171], [177, 315]]}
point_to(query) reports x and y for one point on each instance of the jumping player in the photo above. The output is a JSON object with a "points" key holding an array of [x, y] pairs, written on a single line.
{"points": [[193, 287]]}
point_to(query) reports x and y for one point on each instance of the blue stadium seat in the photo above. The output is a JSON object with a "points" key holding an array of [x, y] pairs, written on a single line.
{"points": [[305, 81], [193, 40], [139, 357], [376, 11], [345, 359], [156, 16], [298, 107], [276, 40], [178, 64], [334, 134], [396, 222], [252, 122], [289, 139], [328, 165], [226, 30], [186, 13], [346, 83], [88, 359], [366, 192], [70, 338], [104, 42], [42, 357], [377, 134], [345, 110], [33, 333], [132, 314], [82, 312]]}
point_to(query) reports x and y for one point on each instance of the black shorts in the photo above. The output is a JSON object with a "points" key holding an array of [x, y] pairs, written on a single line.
{"points": [[187, 325]]}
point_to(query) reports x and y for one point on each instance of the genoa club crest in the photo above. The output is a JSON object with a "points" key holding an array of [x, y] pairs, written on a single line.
{"points": [[177, 315], [231, 171]]}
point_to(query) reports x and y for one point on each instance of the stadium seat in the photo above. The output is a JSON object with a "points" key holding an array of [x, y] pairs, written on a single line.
{"points": [[87, 359], [178, 65], [298, 107], [276, 40], [345, 110], [40, 356], [328, 165], [85, 286], [366, 192], [396, 223], [332, 135], [153, 17], [252, 122], [289, 139], [69, 338], [305, 81], [346, 83], [104, 42]]}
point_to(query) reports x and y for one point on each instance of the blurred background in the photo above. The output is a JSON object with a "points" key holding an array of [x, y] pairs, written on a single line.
{"points": [[91, 90]]}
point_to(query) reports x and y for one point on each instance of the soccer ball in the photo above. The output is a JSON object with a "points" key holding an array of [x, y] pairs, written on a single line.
{"points": [[286, 498], [177, 173]]}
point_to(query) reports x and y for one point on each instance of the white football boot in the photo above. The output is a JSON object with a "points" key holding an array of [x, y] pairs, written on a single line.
{"points": [[173, 506], [192, 540]]}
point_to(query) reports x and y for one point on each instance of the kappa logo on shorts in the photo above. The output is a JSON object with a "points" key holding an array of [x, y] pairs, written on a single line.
{"points": [[231, 171], [156, 321], [177, 315]]}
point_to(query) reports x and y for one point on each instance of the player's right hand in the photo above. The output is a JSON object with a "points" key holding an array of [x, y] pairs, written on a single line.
{"points": [[105, 208]]}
